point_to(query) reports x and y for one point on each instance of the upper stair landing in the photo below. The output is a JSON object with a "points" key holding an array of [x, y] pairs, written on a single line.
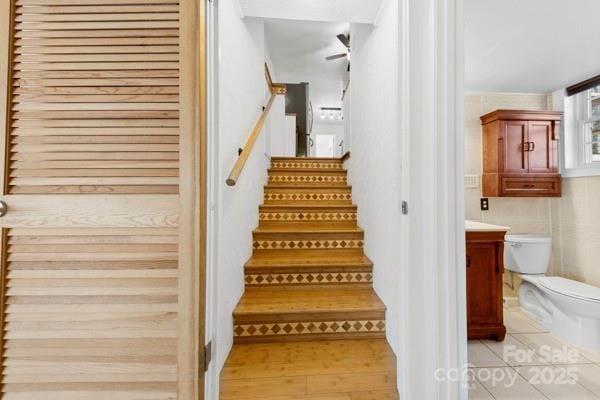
{"points": [[307, 173]]}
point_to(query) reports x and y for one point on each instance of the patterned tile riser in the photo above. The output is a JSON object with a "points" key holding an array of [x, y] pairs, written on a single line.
{"points": [[307, 179], [308, 328], [307, 244], [285, 217], [308, 197], [308, 165], [319, 278]]}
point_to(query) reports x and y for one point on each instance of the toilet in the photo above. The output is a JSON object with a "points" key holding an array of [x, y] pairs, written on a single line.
{"points": [[567, 308]]}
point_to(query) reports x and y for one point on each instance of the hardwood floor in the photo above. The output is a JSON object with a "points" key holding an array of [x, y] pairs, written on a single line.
{"points": [[311, 370], [309, 325]]}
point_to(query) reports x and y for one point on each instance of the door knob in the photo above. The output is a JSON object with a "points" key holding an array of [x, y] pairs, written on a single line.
{"points": [[3, 208]]}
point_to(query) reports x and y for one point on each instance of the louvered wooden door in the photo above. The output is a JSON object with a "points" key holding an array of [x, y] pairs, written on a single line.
{"points": [[95, 298]]}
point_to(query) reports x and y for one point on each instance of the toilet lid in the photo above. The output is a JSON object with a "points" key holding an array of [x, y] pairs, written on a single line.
{"points": [[570, 288]]}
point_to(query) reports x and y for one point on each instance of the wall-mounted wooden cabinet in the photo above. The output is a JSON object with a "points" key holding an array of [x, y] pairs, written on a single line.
{"points": [[520, 153]]}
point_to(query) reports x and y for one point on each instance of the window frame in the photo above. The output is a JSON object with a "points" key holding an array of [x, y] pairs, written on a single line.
{"points": [[576, 159]]}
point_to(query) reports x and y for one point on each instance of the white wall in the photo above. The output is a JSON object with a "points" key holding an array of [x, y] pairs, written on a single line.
{"points": [[419, 259], [241, 94], [276, 127], [373, 167], [347, 107]]}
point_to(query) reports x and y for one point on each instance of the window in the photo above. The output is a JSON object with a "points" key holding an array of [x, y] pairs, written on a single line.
{"points": [[581, 139], [590, 124]]}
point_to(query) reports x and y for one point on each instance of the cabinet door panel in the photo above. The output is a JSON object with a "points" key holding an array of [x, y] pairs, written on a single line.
{"points": [[482, 278], [514, 138], [540, 154]]}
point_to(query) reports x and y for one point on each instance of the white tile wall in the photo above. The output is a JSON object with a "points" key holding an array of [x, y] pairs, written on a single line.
{"points": [[573, 220], [576, 229], [522, 215]]}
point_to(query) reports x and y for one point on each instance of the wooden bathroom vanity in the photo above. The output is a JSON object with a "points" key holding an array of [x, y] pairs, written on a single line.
{"points": [[485, 265]]}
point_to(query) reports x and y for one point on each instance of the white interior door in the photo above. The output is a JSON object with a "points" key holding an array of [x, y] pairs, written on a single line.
{"points": [[325, 145]]}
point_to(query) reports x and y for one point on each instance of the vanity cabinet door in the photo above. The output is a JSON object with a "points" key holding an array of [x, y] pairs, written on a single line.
{"points": [[482, 284]]}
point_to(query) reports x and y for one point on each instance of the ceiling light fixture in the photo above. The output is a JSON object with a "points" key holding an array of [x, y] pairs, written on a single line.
{"points": [[332, 113]]}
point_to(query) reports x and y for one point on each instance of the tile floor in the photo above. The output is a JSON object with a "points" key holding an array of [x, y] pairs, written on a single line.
{"points": [[531, 364]]}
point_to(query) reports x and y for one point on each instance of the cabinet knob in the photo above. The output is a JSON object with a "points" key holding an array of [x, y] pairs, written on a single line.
{"points": [[3, 208]]}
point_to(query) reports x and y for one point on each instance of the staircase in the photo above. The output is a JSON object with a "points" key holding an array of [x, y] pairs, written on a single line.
{"points": [[308, 277]]}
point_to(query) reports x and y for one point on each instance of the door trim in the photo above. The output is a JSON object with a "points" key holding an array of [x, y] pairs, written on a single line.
{"points": [[6, 33], [433, 343], [192, 199]]}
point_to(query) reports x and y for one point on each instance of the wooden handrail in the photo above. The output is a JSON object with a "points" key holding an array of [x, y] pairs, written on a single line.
{"points": [[268, 76], [276, 89]]}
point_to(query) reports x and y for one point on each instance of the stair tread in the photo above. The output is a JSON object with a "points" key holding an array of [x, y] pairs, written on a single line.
{"points": [[284, 186], [294, 262], [310, 207], [276, 300], [335, 171], [305, 228], [339, 159]]}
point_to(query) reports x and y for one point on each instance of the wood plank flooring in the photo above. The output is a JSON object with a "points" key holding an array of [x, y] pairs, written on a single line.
{"points": [[311, 370]]}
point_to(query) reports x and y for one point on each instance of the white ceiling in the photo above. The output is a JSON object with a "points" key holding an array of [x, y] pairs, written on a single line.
{"points": [[359, 11], [531, 46], [298, 50]]}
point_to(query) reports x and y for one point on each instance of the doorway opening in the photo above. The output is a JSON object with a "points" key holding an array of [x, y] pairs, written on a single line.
{"points": [[324, 145], [312, 59]]}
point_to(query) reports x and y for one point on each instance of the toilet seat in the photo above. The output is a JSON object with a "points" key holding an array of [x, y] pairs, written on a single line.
{"points": [[570, 288]]}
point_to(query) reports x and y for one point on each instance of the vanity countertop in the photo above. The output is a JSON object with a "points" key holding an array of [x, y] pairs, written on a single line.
{"points": [[474, 226]]}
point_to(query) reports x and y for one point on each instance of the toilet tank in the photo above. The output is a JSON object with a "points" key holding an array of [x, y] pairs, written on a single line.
{"points": [[527, 254]]}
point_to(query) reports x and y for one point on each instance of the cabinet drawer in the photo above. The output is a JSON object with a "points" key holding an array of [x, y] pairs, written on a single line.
{"points": [[531, 186]]}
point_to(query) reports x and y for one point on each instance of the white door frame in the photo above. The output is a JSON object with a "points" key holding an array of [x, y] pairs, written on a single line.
{"points": [[433, 289], [211, 387]]}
